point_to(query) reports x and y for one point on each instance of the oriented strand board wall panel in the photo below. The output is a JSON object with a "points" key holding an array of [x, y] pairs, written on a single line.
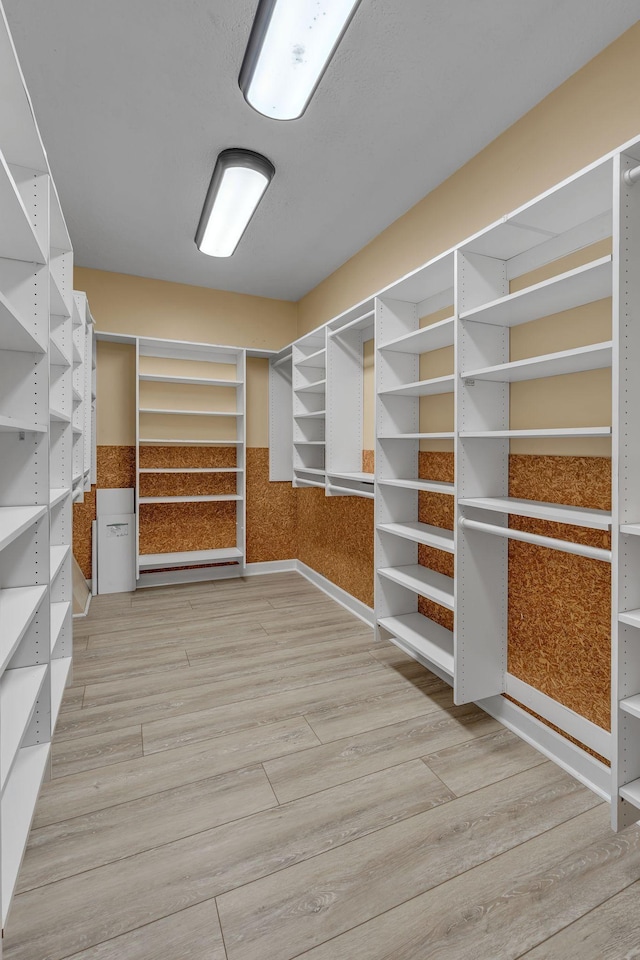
{"points": [[436, 509], [271, 512]]}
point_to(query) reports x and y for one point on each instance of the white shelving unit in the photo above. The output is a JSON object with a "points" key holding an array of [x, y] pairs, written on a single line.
{"points": [[400, 579], [346, 336], [309, 383], [175, 387]]}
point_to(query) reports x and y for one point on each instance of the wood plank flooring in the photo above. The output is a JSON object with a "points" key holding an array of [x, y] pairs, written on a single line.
{"points": [[241, 773]]}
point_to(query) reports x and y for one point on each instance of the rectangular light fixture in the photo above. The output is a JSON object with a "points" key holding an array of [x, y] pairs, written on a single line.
{"points": [[240, 178], [291, 43]]}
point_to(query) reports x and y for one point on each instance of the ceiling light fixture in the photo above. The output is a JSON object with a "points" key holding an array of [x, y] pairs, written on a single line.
{"points": [[240, 178], [291, 43]]}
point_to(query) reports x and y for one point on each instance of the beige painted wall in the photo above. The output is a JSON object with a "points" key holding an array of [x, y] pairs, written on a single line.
{"points": [[135, 305]]}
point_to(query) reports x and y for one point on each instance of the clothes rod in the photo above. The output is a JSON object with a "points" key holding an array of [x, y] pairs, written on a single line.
{"points": [[565, 546], [631, 176]]}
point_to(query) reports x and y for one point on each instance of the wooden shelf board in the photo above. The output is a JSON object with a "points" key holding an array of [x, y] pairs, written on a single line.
{"points": [[190, 470], [417, 436], [18, 239], [15, 520], [60, 669], [423, 533], [359, 477], [57, 494], [213, 498], [11, 425], [18, 606], [318, 386], [19, 690], [151, 561], [14, 334], [585, 284], [427, 583], [422, 639], [191, 413], [594, 357], [541, 433], [59, 612], [631, 705], [58, 556], [630, 617], [422, 388], [434, 337], [631, 793], [164, 442], [199, 381], [431, 486], [539, 510], [18, 805]]}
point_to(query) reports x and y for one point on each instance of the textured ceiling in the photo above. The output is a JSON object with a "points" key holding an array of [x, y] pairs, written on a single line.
{"points": [[135, 99]]}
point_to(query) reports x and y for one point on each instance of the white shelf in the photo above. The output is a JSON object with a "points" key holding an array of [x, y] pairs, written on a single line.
{"points": [[77, 477], [11, 425], [77, 396], [213, 498], [630, 617], [541, 433], [19, 690], [422, 388], [430, 486], [57, 356], [77, 356], [317, 387], [427, 583], [57, 306], [191, 413], [18, 240], [631, 792], [422, 639], [59, 416], [311, 470], [60, 669], [593, 357], [538, 510], [14, 334], [77, 431], [316, 415], [164, 442], [15, 520], [18, 805], [633, 529], [359, 477], [631, 705], [199, 381], [190, 470], [310, 483], [59, 612], [58, 556], [365, 322], [316, 360], [18, 606], [434, 337], [417, 436], [584, 284], [423, 533], [309, 443], [340, 490], [57, 495], [151, 561]]}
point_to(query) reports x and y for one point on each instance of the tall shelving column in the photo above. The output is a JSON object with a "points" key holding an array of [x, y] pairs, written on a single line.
{"points": [[82, 398], [625, 686], [401, 580], [346, 336], [567, 219], [281, 416], [190, 396], [309, 377]]}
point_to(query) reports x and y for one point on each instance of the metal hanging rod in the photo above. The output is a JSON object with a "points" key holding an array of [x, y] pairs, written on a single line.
{"points": [[631, 176], [565, 546]]}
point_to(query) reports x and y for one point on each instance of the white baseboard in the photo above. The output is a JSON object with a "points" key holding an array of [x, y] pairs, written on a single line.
{"points": [[336, 593], [270, 566], [87, 604], [581, 765], [169, 578]]}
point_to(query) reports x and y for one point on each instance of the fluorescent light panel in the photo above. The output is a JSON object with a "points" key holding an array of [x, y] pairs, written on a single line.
{"points": [[291, 43], [239, 180]]}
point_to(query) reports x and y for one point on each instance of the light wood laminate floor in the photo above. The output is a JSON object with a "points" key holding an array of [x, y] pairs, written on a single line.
{"points": [[241, 773]]}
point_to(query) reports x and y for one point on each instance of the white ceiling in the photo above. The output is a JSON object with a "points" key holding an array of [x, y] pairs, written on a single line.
{"points": [[135, 99]]}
